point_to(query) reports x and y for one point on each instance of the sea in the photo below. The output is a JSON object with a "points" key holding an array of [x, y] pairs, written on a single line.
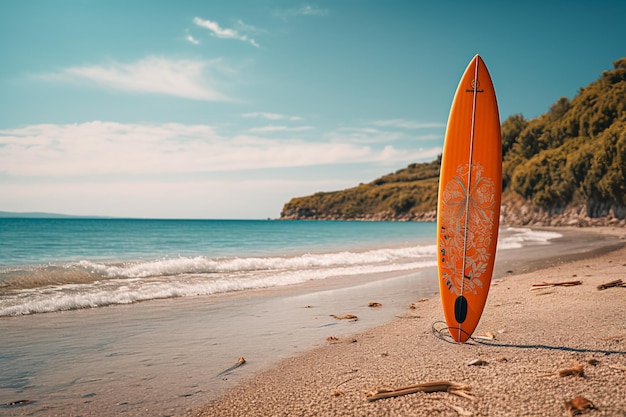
{"points": [[49, 265]]}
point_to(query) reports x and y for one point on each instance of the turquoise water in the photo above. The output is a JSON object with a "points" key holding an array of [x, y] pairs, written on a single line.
{"points": [[51, 265], [41, 241], [63, 264]]}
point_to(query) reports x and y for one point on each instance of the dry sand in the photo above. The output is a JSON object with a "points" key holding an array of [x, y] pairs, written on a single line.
{"points": [[537, 334]]}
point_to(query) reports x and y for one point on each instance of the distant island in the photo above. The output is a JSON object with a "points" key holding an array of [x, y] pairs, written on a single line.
{"points": [[41, 215], [565, 167]]}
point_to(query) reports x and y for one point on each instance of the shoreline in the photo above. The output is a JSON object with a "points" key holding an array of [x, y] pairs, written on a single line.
{"points": [[537, 332]]}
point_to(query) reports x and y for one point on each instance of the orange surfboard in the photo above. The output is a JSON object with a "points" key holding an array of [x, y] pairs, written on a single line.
{"points": [[468, 211]]}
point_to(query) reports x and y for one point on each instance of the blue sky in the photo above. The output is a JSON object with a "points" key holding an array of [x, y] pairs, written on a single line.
{"points": [[227, 109]]}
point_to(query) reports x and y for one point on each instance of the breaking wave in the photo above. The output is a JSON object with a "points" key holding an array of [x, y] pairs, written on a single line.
{"points": [[189, 276], [89, 284]]}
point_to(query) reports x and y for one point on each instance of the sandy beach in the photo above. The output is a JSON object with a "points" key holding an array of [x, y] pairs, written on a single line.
{"points": [[535, 349]]}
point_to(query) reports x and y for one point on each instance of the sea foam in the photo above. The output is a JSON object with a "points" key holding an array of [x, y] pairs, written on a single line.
{"points": [[516, 237], [191, 276], [130, 282]]}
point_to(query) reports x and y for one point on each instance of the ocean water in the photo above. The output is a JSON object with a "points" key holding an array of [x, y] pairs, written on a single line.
{"points": [[49, 265]]}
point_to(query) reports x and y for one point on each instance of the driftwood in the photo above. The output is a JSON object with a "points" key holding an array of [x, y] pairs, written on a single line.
{"points": [[616, 283], [556, 284], [486, 336], [576, 370], [437, 386], [477, 362], [237, 364], [345, 317]]}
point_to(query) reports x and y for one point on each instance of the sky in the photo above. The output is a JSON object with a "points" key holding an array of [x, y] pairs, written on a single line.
{"points": [[215, 109]]}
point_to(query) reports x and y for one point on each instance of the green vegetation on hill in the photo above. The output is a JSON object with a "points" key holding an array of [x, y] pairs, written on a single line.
{"points": [[575, 154], [412, 189]]}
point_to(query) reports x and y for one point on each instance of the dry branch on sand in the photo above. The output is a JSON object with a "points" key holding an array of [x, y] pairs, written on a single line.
{"points": [[345, 317], [611, 284], [437, 386], [576, 370], [556, 284]]}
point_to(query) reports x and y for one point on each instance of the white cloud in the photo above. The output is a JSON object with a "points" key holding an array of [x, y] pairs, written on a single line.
{"points": [[363, 135], [244, 27], [262, 115], [226, 33], [407, 124], [192, 79], [149, 170], [304, 10], [401, 132], [273, 128], [255, 197], [270, 116], [308, 10], [105, 149], [191, 39]]}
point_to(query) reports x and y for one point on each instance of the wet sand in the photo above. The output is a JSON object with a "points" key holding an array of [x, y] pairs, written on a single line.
{"points": [[539, 334]]}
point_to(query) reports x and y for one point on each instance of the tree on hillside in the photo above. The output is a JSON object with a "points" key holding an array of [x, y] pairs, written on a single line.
{"points": [[511, 129]]}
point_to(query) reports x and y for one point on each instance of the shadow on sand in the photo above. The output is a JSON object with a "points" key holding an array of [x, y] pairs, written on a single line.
{"points": [[442, 332]]}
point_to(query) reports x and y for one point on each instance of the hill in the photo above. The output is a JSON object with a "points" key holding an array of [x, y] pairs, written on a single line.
{"points": [[567, 166]]}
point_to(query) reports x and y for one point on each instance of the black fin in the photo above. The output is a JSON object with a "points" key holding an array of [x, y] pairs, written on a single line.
{"points": [[460, 309]]}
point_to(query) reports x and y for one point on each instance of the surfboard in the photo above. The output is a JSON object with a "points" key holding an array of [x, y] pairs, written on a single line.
{"points": [[468, 209]]}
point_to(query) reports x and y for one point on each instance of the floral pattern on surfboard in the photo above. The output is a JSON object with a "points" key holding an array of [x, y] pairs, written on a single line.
{"points": [[480, 222]]}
